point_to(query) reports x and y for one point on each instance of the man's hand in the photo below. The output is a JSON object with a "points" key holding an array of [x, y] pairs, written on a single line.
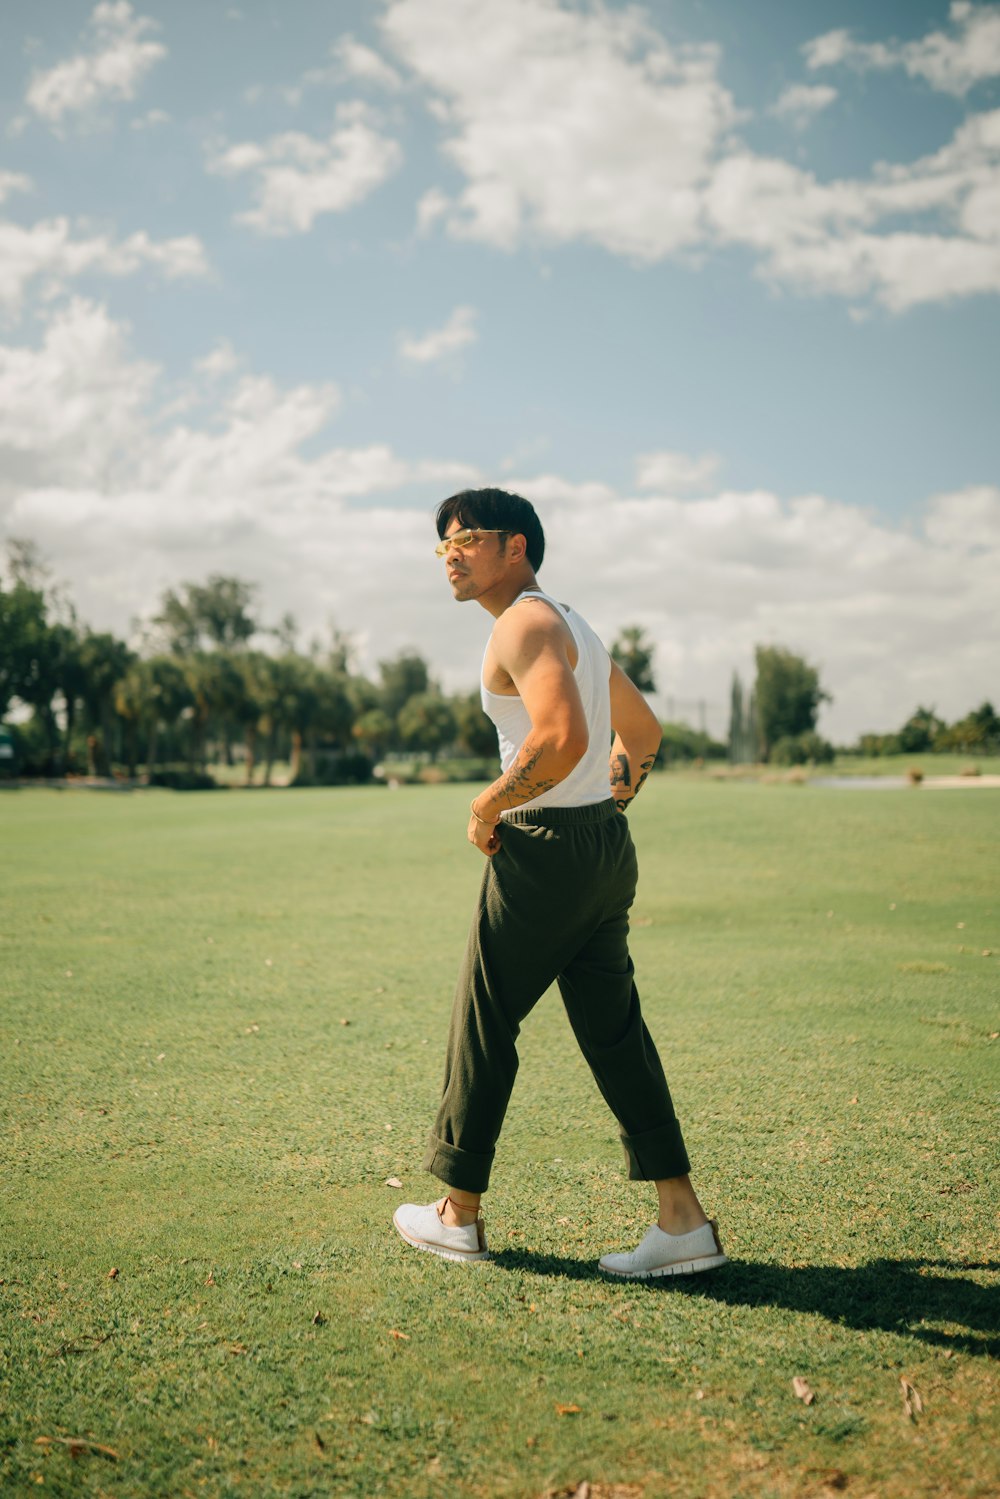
{"points": [[483, 834]]}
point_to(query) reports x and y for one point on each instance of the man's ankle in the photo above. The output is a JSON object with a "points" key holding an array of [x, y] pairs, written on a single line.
{"points": [[458, 1215], [676, 1224]]}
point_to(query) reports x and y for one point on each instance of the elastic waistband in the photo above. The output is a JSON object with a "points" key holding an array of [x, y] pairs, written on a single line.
{"points": [[555, 817]]}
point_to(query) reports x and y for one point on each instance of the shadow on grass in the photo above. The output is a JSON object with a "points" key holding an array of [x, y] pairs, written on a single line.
{"points": [[899, 1296]]}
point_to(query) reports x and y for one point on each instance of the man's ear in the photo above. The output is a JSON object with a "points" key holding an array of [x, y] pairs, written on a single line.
{"points": [[517, 547]]}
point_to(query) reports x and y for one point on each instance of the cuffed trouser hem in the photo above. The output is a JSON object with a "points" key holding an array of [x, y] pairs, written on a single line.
{"points": [[656, 1153], [464, 1169]]}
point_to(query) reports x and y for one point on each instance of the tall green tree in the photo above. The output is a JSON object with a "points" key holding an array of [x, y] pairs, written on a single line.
{"points": [[426, 723], [474, 732], [39, 661], [103, 661], [634, 654], [742, 741], [217, 614], [788, 695], [403, 677], [373, 730], [150, 698], [920, 731], [24, 643], [978, 730]]}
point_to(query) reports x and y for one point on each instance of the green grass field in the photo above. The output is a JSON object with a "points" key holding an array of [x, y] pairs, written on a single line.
{"points": [[222, 1020]]}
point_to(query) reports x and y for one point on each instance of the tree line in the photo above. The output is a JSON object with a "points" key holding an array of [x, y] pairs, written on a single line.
{"points": [[201, 690], [211, 683], [776, 720]]}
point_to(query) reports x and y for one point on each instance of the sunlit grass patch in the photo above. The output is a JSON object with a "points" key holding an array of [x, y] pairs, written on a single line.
{"points": [[184, 1104]]}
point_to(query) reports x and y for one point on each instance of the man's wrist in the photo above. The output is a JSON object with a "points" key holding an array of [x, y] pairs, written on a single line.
{"points": [[487, 822]]}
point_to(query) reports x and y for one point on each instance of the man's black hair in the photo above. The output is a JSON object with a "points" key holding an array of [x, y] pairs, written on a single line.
{"points": [[495, 510]]}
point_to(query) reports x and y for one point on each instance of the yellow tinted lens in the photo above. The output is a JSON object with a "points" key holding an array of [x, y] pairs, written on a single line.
{"points": [[460, 539]]}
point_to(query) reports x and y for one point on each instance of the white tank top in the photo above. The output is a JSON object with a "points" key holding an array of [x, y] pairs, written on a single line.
{"points": [[589, 780]]}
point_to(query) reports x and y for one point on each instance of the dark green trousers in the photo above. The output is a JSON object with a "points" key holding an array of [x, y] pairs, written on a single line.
{"points": [[553, 906]]}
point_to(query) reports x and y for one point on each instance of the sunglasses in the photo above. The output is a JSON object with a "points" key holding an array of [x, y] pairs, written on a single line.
{"points": [[463, 539]]}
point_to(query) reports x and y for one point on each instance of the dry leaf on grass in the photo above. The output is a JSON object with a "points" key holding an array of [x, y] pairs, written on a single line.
{"points": [[319, 1320], [237, 1348], [394, 1332], [78, 1446], [803, 1390], [393, 1181], [831, 1478], [567, 1410], [586, 1490], [912, 1403], [210, 1279]]}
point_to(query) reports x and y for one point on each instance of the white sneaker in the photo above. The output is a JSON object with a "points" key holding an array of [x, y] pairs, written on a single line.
{"points": [[424, 1229], [669, 1254]]}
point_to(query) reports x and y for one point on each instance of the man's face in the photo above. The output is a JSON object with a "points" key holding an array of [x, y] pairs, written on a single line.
{"points": [[474, 569]]}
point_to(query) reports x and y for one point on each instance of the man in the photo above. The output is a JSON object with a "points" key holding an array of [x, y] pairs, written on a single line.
{"points": [[557, 887]]}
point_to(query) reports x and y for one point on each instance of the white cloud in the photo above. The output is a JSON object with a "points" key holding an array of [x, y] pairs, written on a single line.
{"points": [[222, 360], [297, 177], [119, 58], [952, 62], [891, 618], [457, 333], [13, 182], [967, 519], [800, 103], [359, 61], [841, 237], [567, 124], [433, 205], [126, 501], [571, 124], [70, 410], [48, 251], [150, 120], [669, 472]]}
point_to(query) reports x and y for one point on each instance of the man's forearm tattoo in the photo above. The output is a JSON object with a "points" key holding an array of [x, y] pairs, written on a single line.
{"points": [[520, 780], [645, 766], [621, 779]]}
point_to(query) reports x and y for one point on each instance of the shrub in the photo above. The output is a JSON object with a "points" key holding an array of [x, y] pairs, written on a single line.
{"points": [[802, 749], [184, 780], [342, 768], [32, 753], [681, 742]]}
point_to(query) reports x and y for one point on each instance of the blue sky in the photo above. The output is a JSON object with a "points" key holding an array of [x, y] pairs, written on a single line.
{"points": [[721, 297]]}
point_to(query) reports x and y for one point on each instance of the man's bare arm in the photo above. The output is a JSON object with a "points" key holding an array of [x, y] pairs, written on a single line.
{"points": [[532, 648], [637, 739]]}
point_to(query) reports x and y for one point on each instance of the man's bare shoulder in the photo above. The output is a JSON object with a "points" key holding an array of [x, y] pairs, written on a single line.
{"points": [[528, 628]]}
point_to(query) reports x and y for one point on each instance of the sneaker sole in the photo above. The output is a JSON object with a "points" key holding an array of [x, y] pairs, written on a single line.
{"points": [[457, 1256], [680, 1267]]}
